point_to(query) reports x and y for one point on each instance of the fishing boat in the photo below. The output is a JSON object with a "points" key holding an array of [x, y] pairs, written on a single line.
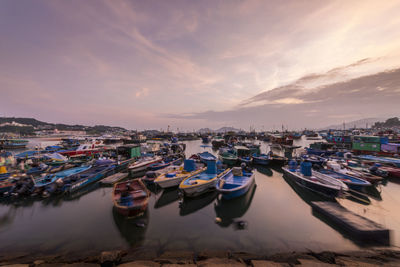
{"points": [[13, 143], [42, 182], [130, 197], [115, 178], [165, 163], [383, 160], [350, 180], [205, 139], [151, 176], [393, 172], [99, 170], [229, 158], [243, 153], [143, 163], [358, 167], [85, 149], [201, 182], [261, 159], [217, 142], [341, 168], [314, 181], [206, 156], [175, 177], [234, 183]]}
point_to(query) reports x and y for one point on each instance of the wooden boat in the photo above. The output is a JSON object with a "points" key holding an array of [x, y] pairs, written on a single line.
{"points": [[383, 160], [261, 159], [151, 176], [174, 178], [217, 142], [130, 197], [234, 183], [13, 143], [393, 172], [201, 182], [115, 178], [165, 163], [314, 181], [341, 168]]}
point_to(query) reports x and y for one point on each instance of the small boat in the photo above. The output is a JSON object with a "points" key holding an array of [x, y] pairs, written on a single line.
{"points": [[151, 176], [229, 158], [85, 149], [130, 198], [165, 163], [217, 142], [234, 183], [261, 159], [393, 172], [13, 143], [205, 139], [42, 182], [314, 181], [350, 180], [115, 178], [341, 168], [99, 170], [383, 160], [201, 182], [175, 177], [142, 164], [206, 156]]}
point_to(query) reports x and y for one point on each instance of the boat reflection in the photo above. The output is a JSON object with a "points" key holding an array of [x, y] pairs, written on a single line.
{"points": [[230, 210], [133, 230], [167, 196], [190, 205], [8, 217]]}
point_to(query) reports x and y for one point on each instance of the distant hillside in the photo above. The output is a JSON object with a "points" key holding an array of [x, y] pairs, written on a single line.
{"points": [[30, 125], [357, 124], [389, 123], [205, 131], [227, 129]]}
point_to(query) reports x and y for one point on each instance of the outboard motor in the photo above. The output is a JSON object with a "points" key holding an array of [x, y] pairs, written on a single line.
{"points": [[305, 168], [292, 165]]}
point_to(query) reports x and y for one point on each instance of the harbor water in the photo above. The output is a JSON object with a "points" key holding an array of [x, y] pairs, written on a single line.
{"points": [[274, 216]]}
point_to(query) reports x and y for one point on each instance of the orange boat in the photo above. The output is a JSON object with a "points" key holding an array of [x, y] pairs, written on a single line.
{"points": [[130, 197]]}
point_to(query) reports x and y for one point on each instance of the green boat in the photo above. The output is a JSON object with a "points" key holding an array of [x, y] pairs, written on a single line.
{"points": [[228, 158]]}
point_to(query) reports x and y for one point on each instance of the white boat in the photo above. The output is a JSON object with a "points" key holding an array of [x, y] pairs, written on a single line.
{"points": [[143, 163]]}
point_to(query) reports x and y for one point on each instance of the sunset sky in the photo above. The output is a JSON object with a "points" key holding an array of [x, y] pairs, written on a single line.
{"points": [[194, 64]]}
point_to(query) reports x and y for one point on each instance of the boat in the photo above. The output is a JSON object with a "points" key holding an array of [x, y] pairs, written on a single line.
{"points": [[350, 180], [229, 158], [243, 153], [42, 182], [206, 156], [234, 183], [85, 149], [151, 176], [99, 170], [175, 177], [383, 160], [115, 178], [217, 142], [143, 163], [13, 143], [205, 139], [392, 172], [201, 182], [165, 163], [314, 181], [341, 168], [261, 159], [130, 197]]}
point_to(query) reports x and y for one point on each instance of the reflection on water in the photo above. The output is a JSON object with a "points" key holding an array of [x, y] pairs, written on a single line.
{"points": [[264, 170], [167, 196], [190, 205], [229, 210], [133, 230]]}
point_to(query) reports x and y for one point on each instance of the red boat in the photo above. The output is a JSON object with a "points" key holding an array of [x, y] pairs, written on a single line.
{"points": [[87, 150], [130, 197], [392, 171]]}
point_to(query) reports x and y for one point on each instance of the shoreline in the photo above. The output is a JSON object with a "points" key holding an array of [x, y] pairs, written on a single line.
{"points": [[126, 258]]}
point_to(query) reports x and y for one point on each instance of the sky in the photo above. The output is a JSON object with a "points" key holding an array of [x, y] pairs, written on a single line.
{"points": [[194, 64]]}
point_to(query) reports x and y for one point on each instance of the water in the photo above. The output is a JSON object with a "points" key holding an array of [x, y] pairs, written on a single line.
{"points": [[274, 216]]}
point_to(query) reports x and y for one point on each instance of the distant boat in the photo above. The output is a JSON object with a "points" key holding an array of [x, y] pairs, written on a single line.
{"points": [[205, 139], [13, 143], [130, 198], [229, 158], [234, 183], [314, 181], [217, 142], [165, 163], [142, 164]]}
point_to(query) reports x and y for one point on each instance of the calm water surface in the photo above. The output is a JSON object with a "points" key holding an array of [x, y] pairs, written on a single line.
{"points": [[274, 216]]}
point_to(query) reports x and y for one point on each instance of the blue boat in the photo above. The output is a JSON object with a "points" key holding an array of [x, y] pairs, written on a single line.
{"points": [[165, 163], [206, 157], [261, 159], [41, 182], [205, 139], [383, 160], [100, 170], [351, 181], [235, 183]]}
